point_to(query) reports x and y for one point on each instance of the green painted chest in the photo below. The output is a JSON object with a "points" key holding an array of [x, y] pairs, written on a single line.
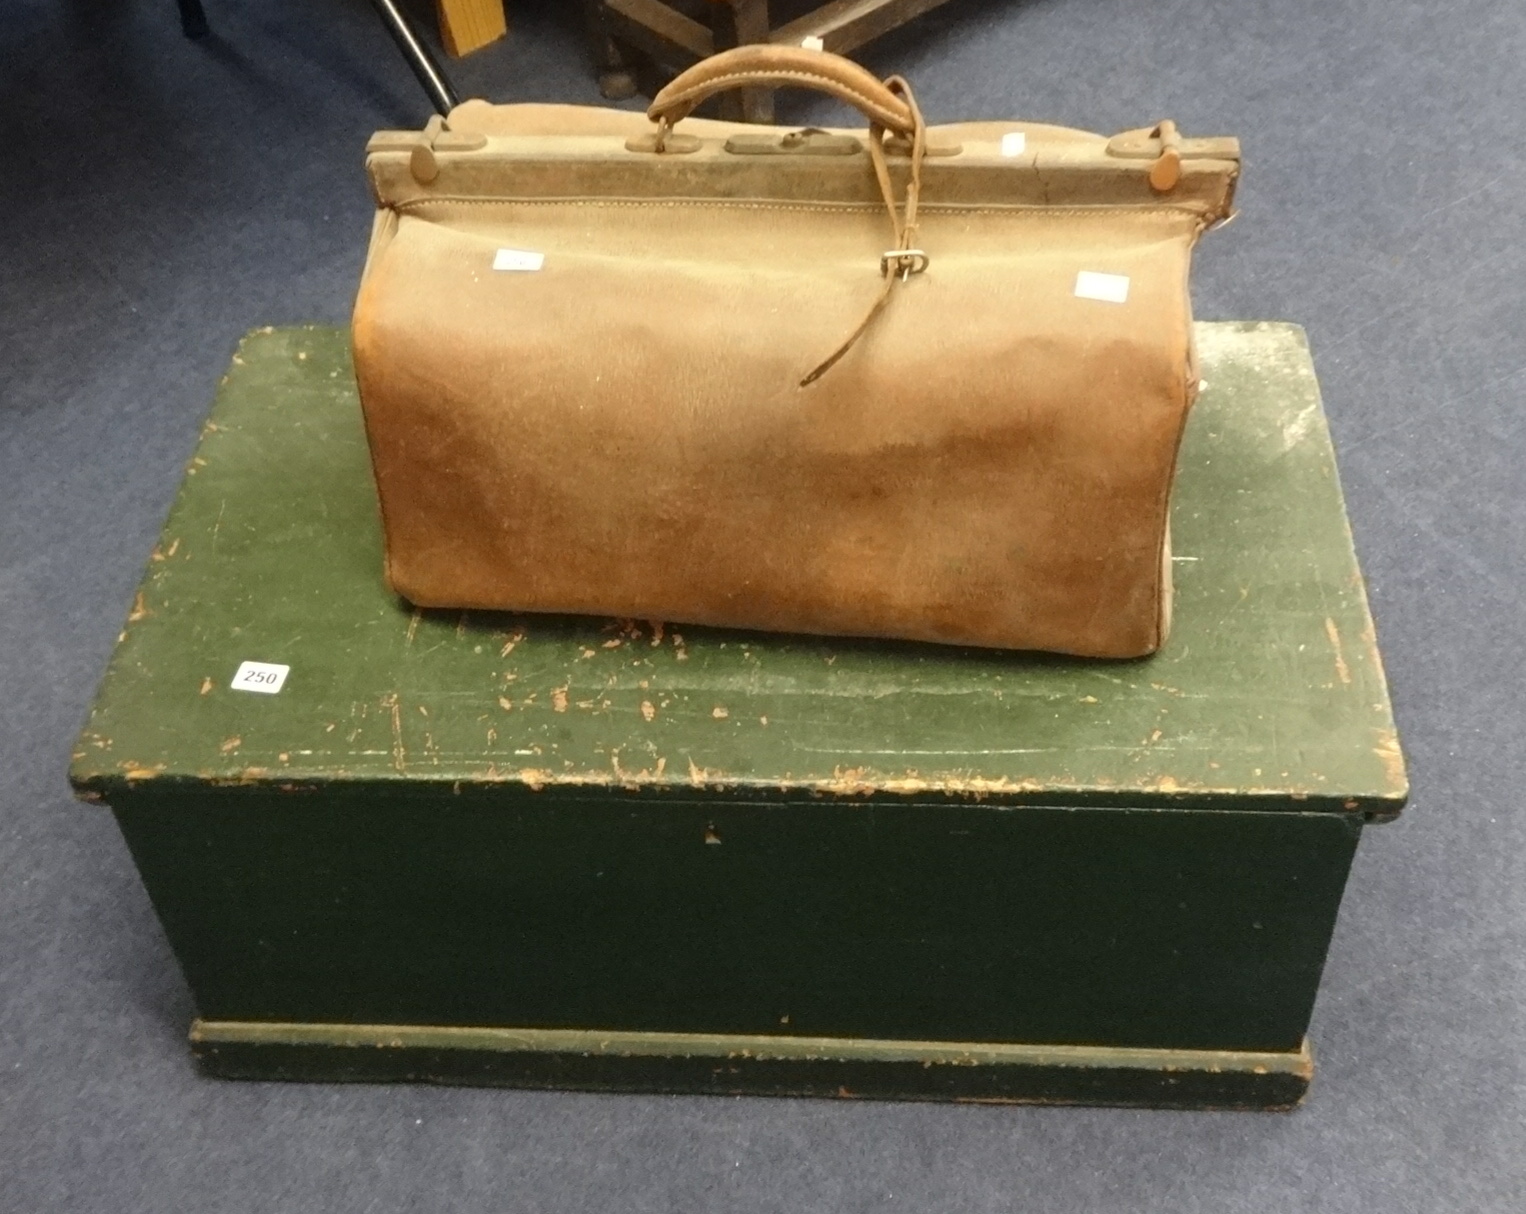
{"points": [[630, 854]]}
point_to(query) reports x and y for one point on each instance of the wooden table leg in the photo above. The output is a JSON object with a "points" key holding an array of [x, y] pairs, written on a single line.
{"points": [[736, 23]]}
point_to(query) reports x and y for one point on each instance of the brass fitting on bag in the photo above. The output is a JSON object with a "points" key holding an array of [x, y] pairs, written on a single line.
{"points": [[438, 137], [1167, 169]]}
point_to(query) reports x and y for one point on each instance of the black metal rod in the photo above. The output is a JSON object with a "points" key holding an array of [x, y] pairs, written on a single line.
{"points": [[441, 95]]}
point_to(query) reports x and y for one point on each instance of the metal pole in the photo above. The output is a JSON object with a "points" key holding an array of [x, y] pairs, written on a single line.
{"points": [[429, 73]]}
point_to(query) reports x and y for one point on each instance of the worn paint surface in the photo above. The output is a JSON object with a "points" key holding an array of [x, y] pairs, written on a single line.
{"points": [[888, 920], [1269, 694], [496, 838], [761, 1065]]}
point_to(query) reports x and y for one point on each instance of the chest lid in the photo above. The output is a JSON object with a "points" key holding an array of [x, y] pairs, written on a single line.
{"points": [[1269, 694]]}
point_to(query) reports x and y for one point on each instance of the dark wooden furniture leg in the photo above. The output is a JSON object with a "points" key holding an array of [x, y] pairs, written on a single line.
{"points": [[193, 18], [616, 81], [736, 23], [845, 25], [675, 40]]}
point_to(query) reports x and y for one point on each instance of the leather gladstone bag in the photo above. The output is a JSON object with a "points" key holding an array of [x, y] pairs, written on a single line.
{"points": [[909, 381]]}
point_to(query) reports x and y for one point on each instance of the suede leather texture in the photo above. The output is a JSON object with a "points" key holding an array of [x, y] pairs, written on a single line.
{"points": [[624, 431]]}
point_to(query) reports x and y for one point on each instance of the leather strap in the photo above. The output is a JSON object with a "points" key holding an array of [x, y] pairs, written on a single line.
{"points": [[903, 260], [889, 106], [782, 67]]}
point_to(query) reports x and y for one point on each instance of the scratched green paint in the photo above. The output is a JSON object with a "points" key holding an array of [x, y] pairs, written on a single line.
{"points": [[1269, 695]]}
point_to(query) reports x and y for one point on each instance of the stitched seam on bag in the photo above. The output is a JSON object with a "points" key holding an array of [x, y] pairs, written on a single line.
{"points": [[833, 84], [1163, 505], [727, 203], [1016, 208], [389, 560]]}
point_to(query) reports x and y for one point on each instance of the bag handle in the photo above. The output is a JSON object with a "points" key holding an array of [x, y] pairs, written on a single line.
{"points": [[889, 106], [782, 66]]}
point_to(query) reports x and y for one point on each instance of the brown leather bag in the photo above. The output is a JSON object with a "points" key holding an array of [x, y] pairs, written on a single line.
{"points": [[918, 382]]}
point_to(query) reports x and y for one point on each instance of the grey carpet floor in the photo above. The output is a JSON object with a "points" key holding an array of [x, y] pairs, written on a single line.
{"points": [[159, 197]]}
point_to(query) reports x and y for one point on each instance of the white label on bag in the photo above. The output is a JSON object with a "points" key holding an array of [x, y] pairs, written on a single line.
{"points": [[812, 43], [518, 259], [1014, 143], [267, 678], [1109, 288]]}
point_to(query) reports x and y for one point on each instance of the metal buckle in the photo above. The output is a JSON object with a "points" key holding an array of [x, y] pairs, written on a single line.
{"points": [[905, 262]]}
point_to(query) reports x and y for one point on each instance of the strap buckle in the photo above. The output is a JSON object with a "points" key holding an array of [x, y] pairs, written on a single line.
{"points": [[904, 262]]}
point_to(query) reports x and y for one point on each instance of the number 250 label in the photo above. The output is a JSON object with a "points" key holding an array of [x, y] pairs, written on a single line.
{"points": [[265, 677]]}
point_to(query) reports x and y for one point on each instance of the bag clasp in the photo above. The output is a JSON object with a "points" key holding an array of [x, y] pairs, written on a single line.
{"points": [[904, 262]]}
